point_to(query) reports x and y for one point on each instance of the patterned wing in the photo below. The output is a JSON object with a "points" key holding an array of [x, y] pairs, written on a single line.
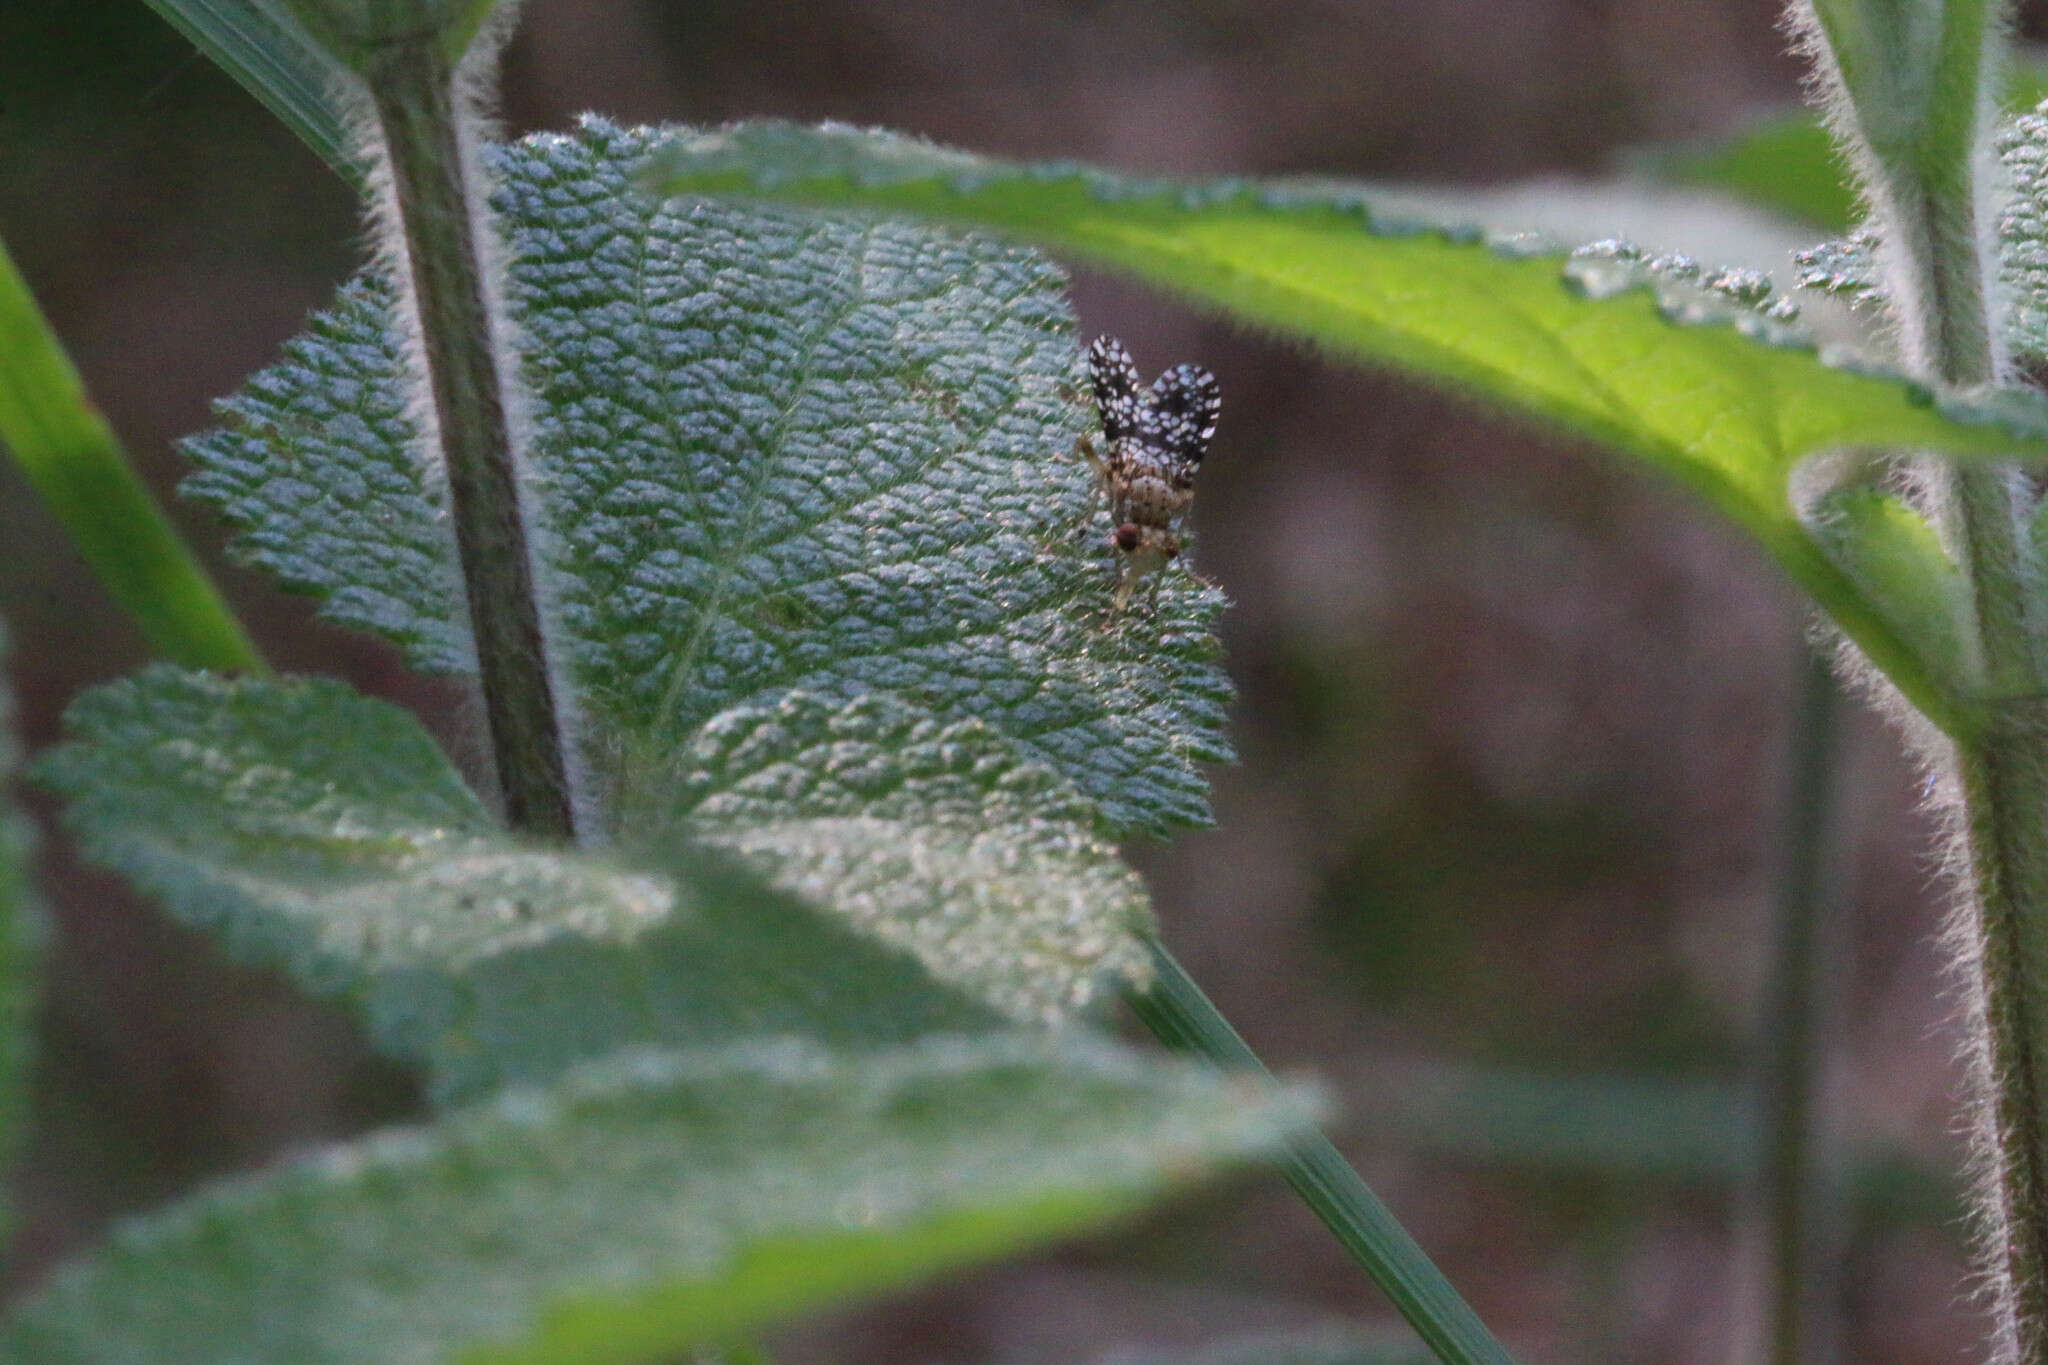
{"points": [[1180, 416], [1114, 376]]}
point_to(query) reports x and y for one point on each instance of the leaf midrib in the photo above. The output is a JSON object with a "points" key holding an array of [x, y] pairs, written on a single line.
{"points": [[684, 667]]}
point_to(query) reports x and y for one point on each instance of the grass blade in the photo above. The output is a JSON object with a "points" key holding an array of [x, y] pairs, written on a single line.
{"points": [[273, 62], [73, 459]]}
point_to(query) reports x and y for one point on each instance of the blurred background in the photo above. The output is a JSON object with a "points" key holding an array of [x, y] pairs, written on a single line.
{"points": [[1498, 860]]}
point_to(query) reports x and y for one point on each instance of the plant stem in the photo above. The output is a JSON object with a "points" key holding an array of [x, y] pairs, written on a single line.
{"points": [[2002, 774], [412, 89], [1800, 1274], [1186, 1020]]}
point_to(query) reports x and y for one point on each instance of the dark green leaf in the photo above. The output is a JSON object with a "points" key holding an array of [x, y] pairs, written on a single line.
{"points": [[320, 832], [931, 837], [647, 1203], [778, 453]]}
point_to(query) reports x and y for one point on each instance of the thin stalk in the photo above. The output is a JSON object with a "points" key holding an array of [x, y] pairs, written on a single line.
{"points": [[1186, 1020], [412, 90], [1799, 1270]]}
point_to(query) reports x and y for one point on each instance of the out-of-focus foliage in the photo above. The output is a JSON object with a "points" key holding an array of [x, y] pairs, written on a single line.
{"points": [[647, 1202], [21, 941], [318, 831]]}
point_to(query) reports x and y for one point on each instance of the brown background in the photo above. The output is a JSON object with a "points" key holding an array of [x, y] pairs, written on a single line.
{"points": [[1513, 717]]}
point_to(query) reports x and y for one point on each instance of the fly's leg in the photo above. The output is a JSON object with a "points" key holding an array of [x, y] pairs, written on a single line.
{"points": [[1084, 446], [1126, 582]]}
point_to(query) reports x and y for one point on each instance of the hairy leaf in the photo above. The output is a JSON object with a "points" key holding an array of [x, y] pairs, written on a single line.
{"points": [[933, 837], [1888, 549], [777, 453], [1852, 267], [2023, 235], [1708, 402], [323, 833], [649, 1202], [1846, 267]]}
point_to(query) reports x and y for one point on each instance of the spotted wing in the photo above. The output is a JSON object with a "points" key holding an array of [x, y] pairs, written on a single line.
{"points": [[1179, 418], [1114, 377]]}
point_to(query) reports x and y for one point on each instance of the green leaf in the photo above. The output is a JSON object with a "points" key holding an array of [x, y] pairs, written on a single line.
{"points": [[932, 837], [1853, 268], [647, 1203], [833, 586], [323, 833], [72, 459], [778, 453], [1788, 162], [1707, 403], [271, 58], [1888, 549], [2023, 234], [21, 942]]}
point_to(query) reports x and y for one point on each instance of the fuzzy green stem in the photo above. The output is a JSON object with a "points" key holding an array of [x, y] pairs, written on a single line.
{"points": [[412, 90], [1911, 81], [1186, 1020], [2002, 772]]}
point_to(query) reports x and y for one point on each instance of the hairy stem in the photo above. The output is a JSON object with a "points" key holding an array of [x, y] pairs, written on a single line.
{"points": [[412, 89], [1186, 1020], [2002, 775]]}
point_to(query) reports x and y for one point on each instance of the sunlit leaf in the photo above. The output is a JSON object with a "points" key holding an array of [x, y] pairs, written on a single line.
{"points": [[1698, 375]]}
